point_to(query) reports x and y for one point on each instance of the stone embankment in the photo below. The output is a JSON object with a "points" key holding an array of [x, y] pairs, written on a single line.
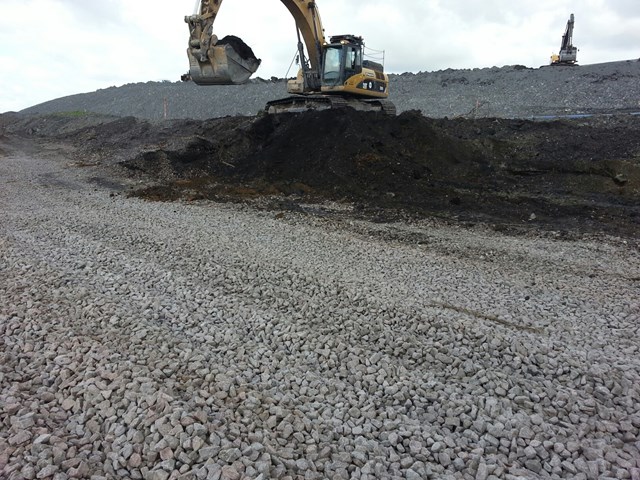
{"points": [[509, 92]]}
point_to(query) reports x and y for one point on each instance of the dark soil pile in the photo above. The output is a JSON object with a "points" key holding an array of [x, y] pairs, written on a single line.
{"points": [[579, 174], [239, 46], [555, 173]]}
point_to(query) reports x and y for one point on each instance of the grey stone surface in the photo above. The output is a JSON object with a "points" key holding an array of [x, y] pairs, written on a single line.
{"points": [[178, 340], [509, 91]]}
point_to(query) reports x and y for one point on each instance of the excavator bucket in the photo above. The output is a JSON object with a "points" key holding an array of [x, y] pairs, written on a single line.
{"points": [[229, 61]]}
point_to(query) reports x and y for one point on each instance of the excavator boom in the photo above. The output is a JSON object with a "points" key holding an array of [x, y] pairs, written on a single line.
{"points": [[567, 38]]}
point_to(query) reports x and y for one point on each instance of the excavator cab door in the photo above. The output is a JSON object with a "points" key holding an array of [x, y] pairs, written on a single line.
{"points": [[332, 65], [340, 61]]}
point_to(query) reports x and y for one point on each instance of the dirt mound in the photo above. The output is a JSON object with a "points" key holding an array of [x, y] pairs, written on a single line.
{"points": [[581, 174], [559, 173], [342, 153], [357, 154]]}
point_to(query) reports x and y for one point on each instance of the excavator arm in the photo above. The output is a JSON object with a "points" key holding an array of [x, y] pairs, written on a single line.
{"points": [[567, 38], [229, 61]]}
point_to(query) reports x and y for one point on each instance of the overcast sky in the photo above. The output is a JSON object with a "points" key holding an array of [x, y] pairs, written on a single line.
{"points": [[54, 48]]}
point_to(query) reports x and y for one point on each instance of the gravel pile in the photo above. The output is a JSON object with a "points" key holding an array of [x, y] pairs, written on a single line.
{"points": [[207, 341], [511, 92]]}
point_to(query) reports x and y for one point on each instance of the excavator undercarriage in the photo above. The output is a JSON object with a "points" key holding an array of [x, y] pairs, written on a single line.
{"points": [[301, 103]]}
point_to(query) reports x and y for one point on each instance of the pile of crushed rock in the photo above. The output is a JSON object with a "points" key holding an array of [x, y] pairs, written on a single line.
{"points": [[508, 92]]}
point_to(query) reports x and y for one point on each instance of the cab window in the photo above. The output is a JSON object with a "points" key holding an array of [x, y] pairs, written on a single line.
{"points": [[331, 64], [354, 59]]}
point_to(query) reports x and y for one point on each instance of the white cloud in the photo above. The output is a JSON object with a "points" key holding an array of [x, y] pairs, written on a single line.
{"points": [[53, 48]]}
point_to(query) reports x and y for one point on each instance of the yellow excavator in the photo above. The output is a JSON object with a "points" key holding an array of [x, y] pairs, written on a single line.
{"points": [[332, 73]]}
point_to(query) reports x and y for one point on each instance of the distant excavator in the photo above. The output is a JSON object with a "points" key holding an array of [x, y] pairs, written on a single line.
{"points": [[332, 74], [568, 54]]}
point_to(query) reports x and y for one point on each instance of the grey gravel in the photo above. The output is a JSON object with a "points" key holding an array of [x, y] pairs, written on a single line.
{"points": [[156, 341], [510, 91]]}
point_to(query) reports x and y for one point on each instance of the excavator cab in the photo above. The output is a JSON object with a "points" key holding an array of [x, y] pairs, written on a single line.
{"points": [[344, 70], [342, 59]]}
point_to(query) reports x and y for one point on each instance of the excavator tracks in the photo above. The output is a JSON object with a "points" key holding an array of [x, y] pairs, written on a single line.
{"points": [[302, 103]]}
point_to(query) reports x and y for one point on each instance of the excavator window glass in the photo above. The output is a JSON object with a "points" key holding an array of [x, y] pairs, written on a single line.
{"points": [[353, 61], [332, 64], [354, 58]]}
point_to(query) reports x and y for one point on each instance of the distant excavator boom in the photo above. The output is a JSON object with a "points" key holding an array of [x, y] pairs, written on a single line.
{"points": [[567, 38]]}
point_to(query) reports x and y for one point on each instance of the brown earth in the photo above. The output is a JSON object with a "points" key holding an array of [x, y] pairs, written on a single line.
{"points": [[580, 175]]}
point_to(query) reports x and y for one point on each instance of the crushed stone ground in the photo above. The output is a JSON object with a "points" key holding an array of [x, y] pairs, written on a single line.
{"points": [[163, 340], [326, 295]]}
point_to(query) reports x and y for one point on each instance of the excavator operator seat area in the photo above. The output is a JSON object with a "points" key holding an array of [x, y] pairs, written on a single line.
{"points": [[353, 59], [340, 62]]}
